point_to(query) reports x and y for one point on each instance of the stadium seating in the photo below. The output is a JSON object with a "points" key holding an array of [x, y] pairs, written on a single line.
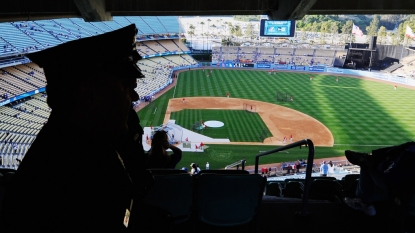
{"points": [[174, 193], [228, 200], [143, 27], [304, 52], [21, 130], [55, 29], [16, 40]]}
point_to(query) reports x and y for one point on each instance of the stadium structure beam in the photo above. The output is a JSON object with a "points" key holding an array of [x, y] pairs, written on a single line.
{"points": [[302, 8], [26, 10], [290, 9], [93, 10], [327, 7], [100, 10], [189, 7]]}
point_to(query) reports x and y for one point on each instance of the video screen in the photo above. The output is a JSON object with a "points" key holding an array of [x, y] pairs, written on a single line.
{"points": [[277, 28]]}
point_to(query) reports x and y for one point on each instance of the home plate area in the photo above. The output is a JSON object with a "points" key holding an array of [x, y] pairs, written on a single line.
{"points": [[182, 138]]}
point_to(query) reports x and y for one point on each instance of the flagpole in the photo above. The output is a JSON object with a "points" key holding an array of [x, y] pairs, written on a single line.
{"points": [[402, 47]]}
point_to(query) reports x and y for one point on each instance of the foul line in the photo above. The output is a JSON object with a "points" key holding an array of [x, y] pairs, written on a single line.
{"points": [[155, 111]]}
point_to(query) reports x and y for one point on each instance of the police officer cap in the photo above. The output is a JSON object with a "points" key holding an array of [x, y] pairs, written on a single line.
{"points": [[114, 52]]}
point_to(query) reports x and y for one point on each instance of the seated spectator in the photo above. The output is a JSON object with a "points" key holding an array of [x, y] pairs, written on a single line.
{"points": [[195, 169], [324, 169], [158, 156], [331, 168], [298, 165], [384, 173]]}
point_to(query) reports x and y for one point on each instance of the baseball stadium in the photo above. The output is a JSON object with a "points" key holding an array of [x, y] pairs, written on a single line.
{"points": [[234, 109]]}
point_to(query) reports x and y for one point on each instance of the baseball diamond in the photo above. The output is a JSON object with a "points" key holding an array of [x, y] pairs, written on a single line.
{"points": [[357, 113]]}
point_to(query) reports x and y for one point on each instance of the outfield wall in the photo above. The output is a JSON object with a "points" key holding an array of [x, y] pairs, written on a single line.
{"points": [[340, 71], [374, 75]]}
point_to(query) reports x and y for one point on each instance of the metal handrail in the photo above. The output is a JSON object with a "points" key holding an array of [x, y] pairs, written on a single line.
{"points": [[237, 163], [309, 169]]}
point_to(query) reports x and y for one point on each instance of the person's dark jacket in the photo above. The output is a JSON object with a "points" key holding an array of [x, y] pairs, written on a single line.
{"points": [[69, 181]]}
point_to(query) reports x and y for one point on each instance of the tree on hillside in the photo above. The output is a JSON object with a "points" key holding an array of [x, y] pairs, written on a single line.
{"points": [[214, 27], [372, 29], [230, 27], [224, 27], [389, 21], [191, 32], [202, 23], [237, 30], [325, 28], [396, 36], [208, 20], [303, 35], [347, 31], [315, 28], [382, 39], [249, 30], [347, 27], [334, 29]]}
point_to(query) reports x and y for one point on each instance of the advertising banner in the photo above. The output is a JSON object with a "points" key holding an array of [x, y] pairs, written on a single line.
{"points": [[316, 68], [280, 67], [298, 67], [27, 94], [267, 66], [335, 70]]}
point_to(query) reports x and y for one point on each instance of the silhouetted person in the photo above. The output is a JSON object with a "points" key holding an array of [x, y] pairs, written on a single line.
{"points": [[158, 157], [90, 88], [384, 174]]}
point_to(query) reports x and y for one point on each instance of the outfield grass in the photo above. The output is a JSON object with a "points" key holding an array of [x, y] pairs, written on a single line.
{"points": [[361, 114], [237, 123]]}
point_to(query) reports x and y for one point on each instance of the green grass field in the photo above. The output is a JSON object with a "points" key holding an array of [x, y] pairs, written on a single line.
{"points": [[237, 123], [361, 114]]}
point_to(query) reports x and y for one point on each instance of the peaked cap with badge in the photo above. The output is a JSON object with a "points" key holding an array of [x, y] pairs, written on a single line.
{"points": [[113, 52]]}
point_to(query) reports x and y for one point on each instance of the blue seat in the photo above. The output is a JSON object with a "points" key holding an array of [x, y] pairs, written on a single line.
{"points": [[173, 193], [228, 200]]}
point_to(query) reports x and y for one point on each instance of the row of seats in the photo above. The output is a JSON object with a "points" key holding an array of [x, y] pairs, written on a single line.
{"points": [[158, 70], [322, 188], [146, 48], [20, 79], [222, 198], [30, 36], [18, 132], [17, 80], [211, 199], [277, 55]]}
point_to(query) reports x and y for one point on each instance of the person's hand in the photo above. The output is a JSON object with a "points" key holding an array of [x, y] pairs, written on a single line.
{"points": [[166, 145]]}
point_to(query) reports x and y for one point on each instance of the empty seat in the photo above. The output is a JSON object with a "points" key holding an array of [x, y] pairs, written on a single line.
{"points": [[324, 189], [273, 189], [228, 200], [173, 193], [293, 189]]}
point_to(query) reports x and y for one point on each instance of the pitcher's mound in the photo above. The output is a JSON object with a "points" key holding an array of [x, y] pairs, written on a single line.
{"points": [[214, 124]]}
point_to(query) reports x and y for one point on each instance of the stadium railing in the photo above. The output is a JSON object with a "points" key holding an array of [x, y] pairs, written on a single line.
{"points": [[310, 159]]}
